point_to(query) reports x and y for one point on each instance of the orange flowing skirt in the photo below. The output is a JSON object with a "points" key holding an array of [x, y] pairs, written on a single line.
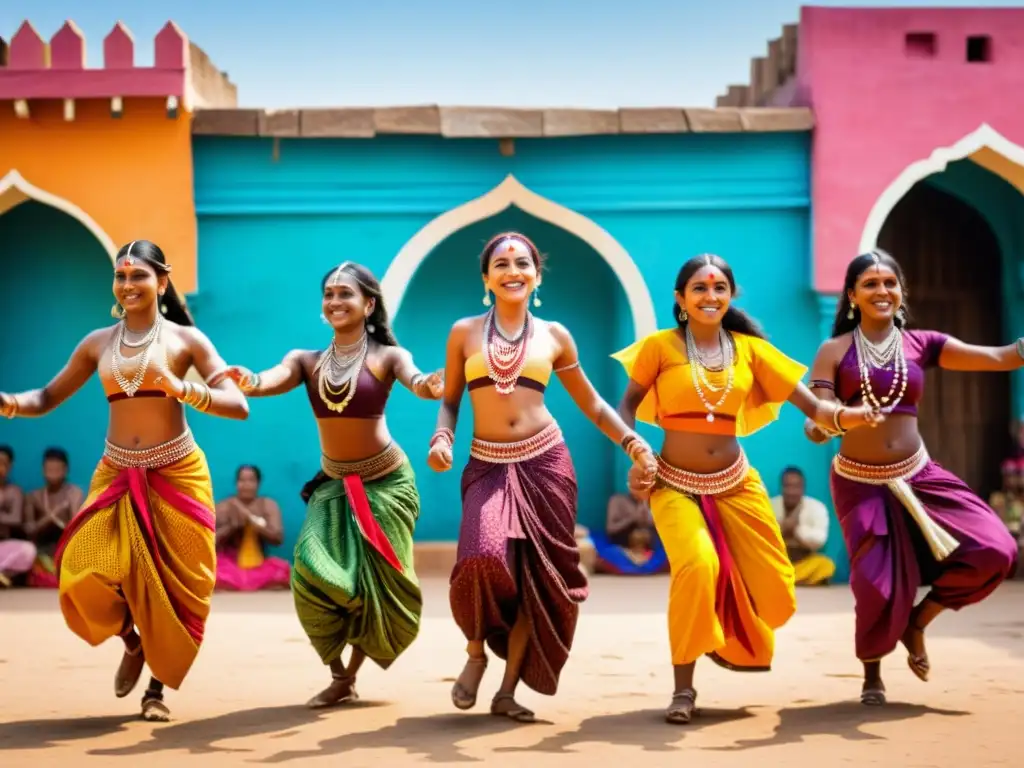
{"points": [[142, 551]]}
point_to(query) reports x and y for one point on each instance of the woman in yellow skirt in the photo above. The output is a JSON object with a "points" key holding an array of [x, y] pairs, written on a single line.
{"points": [[138, 560], [706, 383]]}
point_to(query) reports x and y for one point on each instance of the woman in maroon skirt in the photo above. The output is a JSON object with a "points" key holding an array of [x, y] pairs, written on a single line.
{"points": [[517, 584], [907, 521]]}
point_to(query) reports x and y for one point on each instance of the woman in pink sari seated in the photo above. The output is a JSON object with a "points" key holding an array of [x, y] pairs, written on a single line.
{"points": [[246, 524]]}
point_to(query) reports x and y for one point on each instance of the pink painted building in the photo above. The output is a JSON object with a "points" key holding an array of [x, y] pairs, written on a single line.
{"points": [[918, 148]]}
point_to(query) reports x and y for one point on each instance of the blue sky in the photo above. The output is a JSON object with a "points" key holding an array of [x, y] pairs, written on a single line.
{"points": [[553, 53]]}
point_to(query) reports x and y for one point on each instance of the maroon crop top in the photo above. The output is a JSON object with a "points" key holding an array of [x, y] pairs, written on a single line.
{"points": [[921, 349], [367, 403]]}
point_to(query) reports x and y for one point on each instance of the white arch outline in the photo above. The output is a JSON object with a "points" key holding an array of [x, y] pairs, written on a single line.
{"points": [[984, 136], [508, 193], [15, 181]]}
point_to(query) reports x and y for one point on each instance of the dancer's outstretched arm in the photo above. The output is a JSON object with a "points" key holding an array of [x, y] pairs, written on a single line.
{"points": [[587, 399], [404, 369], [957, 355], [71, 378], [282, 378]]}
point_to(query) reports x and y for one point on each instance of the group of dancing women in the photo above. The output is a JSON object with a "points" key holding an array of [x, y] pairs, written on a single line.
{"points": [[138, 560]]}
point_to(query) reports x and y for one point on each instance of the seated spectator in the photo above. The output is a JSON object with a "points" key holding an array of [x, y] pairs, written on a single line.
{"points": [[16, 553], [247, 524], [48, 510], [804, 522], [629, 545]]}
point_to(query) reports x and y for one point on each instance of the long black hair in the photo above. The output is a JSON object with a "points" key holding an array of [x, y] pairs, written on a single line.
{"points": [[843, 324], [172, 305], [369, 286], [735, 319]]}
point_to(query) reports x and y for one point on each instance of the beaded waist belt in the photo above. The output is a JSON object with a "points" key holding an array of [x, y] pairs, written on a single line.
{"points": [[894, 477], [881, 474], [699, 484], [373, 468], [510, 453], [151, 458]]}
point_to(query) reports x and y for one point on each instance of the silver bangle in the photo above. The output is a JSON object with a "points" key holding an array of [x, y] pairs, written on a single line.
{"points": [[1020, 347]]}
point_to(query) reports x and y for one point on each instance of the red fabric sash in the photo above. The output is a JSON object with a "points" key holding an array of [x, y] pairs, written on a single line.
{"points": [[367, 523], [725, 595], [136, 483]]}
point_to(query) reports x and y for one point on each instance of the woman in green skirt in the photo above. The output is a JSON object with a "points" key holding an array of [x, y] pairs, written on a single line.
{"points": [[353, 579]]}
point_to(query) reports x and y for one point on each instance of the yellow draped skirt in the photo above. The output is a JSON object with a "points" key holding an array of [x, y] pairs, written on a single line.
{"points": [[732, 621], [141, 551]]}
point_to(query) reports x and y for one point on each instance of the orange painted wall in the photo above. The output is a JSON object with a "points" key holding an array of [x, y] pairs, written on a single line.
{"points": [[132, 175]]}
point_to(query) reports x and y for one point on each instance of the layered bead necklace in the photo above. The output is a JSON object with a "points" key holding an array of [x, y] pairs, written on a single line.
{"points": [[700, 366], [339, 367], [141, 359], [879, 356], [504, 357]]}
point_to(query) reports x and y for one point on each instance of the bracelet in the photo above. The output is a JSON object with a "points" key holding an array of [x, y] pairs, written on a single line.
{"points": [[14, 407], [417, 380], [633, 445], [443, 435], [836, 416], [254, 383], [1020, 347], [196, 395]]}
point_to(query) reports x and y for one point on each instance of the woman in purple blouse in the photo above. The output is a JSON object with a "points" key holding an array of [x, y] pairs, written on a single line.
{"points": [[907, 521]]}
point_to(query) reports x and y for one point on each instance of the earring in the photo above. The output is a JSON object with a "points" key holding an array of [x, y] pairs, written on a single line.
{"points": [[117, 312], [487, 298], [683, 316], [536, 297], [849, 314], [323, 319], [163, 308], [901, 315], [370, 328]]}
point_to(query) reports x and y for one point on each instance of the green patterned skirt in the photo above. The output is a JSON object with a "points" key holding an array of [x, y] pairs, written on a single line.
{"points": [[353, 579]]}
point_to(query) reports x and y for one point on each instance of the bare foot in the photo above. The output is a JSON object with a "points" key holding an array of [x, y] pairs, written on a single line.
{"points": [[682, 708], [917, 654], [130, 669], [342, 690], [465, 689], [504, 705]]}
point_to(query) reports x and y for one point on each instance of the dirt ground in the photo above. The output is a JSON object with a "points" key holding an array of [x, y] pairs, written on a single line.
{"points": [[242, 704]]}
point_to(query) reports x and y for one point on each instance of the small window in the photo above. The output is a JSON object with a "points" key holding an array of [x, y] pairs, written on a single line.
{"points": [[979, 48], [920, 45]]}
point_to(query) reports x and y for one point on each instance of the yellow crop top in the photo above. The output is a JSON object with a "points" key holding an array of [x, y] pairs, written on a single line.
{"points": [[763, 379], [535, 374]]}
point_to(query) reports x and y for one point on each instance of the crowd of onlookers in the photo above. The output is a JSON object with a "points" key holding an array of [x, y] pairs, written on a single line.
{"points": [[31, 525]]}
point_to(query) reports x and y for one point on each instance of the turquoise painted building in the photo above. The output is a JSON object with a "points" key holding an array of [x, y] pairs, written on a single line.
{"points": [[617, 199], [616, 216]]}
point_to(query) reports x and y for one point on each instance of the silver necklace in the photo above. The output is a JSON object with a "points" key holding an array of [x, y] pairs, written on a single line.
{"points": [[699, 369], [339, 368], [879, 356], [141, 359]]}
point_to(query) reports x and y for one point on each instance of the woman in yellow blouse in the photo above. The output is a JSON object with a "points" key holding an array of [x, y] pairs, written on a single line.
{"points": [[709, 381]]}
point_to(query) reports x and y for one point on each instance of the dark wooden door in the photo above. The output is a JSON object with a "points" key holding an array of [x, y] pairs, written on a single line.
{"points": [[953, 268]]}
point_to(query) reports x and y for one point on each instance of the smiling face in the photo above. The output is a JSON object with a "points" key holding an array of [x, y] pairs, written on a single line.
{"points": [[877, 293], [344, 305], [511, 272], [137, 286], [706, 296]]}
